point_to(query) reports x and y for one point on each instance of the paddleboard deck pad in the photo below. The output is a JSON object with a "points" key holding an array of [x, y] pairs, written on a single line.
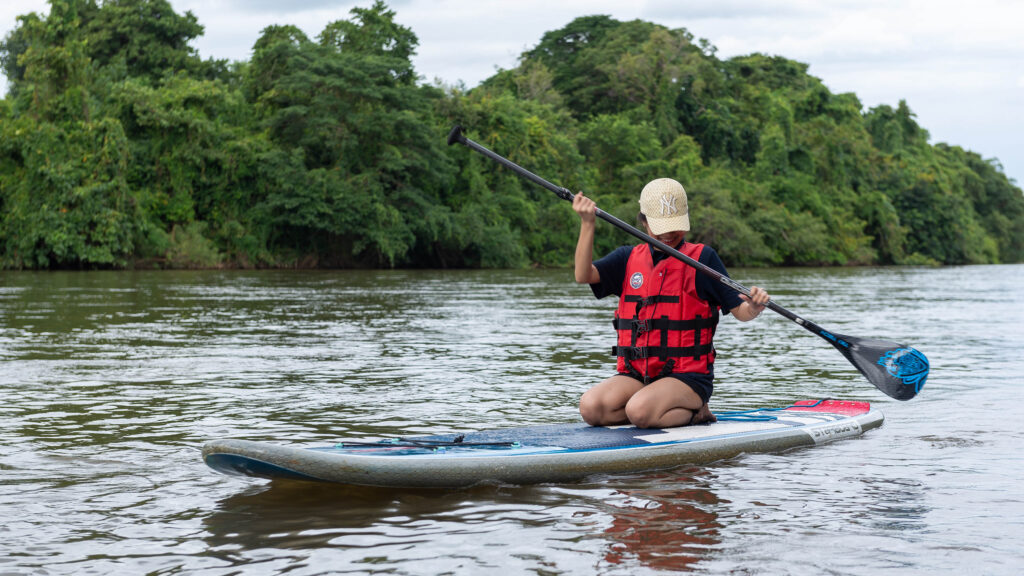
{"points": [[547, 453]]}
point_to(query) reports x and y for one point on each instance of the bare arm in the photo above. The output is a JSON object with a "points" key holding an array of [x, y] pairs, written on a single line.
{"points": [[752, 305], [586, 272]]}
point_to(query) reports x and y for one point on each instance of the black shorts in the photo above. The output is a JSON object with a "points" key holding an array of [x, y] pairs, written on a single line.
{"points": [[702, 384]]}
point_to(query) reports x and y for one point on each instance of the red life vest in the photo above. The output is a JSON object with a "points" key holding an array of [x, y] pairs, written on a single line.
{"points": [[663, 326]]}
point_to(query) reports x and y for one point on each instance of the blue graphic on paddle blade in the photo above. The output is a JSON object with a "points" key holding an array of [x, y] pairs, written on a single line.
{"points": [[907, 364]]}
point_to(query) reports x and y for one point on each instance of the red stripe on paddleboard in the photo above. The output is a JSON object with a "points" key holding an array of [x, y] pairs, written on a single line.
{"points": [[845, 407]]}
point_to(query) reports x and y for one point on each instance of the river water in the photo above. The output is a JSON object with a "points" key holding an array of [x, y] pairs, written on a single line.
{"points": [[111, 381]]}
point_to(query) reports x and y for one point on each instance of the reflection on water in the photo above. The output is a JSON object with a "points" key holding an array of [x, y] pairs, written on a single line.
{"points": [[661, 522], [109, 382], [671, 526]]}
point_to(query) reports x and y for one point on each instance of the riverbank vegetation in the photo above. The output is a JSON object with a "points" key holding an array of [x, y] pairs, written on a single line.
{"points": [[121, 147]]}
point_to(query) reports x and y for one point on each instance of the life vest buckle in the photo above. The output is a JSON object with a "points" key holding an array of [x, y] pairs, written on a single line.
{"points": [[636, 352], [641, 326]]}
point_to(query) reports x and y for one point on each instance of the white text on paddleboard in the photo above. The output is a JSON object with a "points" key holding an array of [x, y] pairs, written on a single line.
{"points": [[830, 432]]}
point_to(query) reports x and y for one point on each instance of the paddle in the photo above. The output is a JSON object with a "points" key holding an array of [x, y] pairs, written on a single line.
{"points": [[897, 370]]}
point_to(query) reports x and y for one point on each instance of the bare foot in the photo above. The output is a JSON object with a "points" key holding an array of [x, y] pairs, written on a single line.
{"points": [[703, 416]]}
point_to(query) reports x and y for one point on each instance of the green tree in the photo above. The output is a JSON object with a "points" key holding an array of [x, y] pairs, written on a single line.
{"points": [[66, 201], [144, 38], [357, 167]]}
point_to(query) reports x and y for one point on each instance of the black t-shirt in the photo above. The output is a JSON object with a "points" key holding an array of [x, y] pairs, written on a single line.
{"points": [[613, 273]]}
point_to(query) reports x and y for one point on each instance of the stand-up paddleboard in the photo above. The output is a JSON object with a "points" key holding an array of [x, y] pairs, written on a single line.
{"points": [[551, 453]]}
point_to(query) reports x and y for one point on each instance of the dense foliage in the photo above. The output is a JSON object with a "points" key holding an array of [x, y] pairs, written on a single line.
{"points": [[121, 147]]}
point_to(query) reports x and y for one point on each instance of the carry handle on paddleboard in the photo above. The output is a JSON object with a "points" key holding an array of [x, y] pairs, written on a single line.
{"points": [[897, 370]]}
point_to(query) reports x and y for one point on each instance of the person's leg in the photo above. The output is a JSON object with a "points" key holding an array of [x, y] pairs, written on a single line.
{"points": [[666, 403], [605, 404]]}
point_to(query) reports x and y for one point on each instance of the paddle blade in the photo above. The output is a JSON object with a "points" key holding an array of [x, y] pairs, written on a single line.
{"points": [[898, 371]]}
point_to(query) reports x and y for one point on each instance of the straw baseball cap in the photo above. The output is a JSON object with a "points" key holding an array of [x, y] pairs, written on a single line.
{"points": [[663, 202]]}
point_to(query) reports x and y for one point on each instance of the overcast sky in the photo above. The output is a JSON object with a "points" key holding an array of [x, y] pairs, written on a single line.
{"points": [[959, 65]]}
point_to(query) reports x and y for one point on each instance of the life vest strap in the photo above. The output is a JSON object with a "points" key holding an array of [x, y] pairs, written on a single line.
{"points": [[663, 323], [655, 299], [631, 353]]}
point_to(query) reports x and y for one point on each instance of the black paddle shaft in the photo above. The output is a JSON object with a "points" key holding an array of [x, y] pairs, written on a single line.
{"points": [[881, 362]]}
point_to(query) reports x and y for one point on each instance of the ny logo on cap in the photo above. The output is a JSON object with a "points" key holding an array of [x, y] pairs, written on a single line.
{"points": [[668, 205]]}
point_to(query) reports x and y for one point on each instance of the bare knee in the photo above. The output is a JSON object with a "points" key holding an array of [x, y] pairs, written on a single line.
{"points": [[591, 408], [639, 413], [646, 412], [598, 408], [603, 405]]}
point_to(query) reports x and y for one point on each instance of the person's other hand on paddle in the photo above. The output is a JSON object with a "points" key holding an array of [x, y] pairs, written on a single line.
{"points": [[752, 305]]}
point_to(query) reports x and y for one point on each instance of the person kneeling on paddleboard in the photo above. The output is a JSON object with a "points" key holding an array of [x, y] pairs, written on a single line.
{"points": [[666, 317]]}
